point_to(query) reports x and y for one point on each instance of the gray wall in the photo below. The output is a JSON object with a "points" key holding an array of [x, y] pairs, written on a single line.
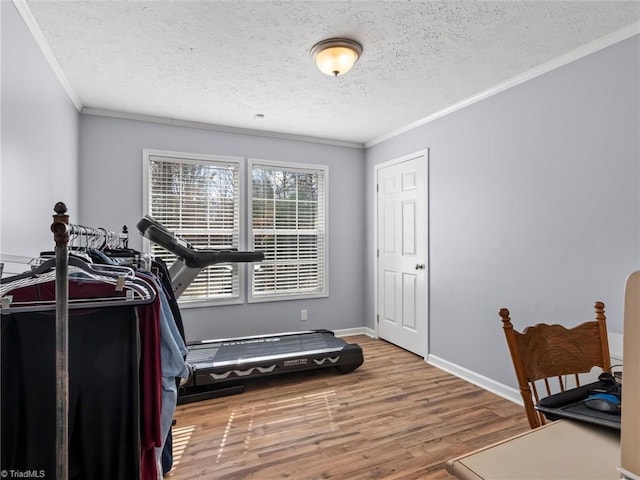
{"points": [[534, 205], [111, 193], [39, 162]]}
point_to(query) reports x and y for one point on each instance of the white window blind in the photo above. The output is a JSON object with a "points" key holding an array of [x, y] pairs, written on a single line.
{"points": [[288, 223], [198, 200]]}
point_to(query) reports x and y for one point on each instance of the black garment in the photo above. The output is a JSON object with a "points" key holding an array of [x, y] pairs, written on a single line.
{"points": [[165, 280], [103, 418], [166, 460]]}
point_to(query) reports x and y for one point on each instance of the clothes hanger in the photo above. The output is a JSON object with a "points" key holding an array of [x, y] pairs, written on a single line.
{"points": [[136, 290]]}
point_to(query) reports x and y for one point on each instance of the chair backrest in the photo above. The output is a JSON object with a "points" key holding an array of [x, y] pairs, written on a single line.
{"points": [[543, 352]]}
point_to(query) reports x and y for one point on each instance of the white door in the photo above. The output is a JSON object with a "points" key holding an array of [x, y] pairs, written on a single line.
{"points": [[402, 270]]}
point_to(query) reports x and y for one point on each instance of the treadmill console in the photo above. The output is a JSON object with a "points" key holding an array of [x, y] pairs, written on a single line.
{"points": [[193, 258]]}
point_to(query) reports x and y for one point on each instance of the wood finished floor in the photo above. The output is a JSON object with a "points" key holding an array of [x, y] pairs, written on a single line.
{"points": [[394, 418]]}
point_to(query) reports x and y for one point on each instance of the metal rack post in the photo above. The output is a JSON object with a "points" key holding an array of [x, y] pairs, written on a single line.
{"points": [[60, 229]]}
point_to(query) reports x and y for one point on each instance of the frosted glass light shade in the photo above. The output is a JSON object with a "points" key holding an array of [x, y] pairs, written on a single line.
{"points": [[336, 56]]}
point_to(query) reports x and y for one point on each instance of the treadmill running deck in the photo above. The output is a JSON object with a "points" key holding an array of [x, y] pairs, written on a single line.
{"points": [[214, 361]]}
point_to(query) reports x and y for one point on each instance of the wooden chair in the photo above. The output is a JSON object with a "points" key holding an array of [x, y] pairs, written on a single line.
{"points": [[542, 352]]}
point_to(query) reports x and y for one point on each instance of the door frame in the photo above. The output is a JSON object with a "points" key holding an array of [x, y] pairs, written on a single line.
{"points": [[424, 153]]}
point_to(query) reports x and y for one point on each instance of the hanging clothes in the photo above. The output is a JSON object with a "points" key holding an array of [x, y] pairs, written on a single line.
{"points": [[162, 272], [165, 279], [124, 365], [104, 440], [172, 363], [150, 388]]}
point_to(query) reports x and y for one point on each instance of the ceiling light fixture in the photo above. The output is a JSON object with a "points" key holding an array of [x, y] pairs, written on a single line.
{"points": [[336, 56]]}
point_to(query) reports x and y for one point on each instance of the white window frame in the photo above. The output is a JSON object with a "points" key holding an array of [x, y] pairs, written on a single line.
{"points": [[324, 290], [181, 157]]}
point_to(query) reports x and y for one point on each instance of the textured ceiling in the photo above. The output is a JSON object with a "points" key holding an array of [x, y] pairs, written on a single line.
{"points": [[223, 62]]}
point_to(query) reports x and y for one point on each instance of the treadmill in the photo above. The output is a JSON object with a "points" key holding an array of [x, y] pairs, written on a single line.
{"points": [[222, 366]]}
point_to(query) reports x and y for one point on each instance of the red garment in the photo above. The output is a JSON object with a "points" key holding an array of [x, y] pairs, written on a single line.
{"points": [[150, 387]]}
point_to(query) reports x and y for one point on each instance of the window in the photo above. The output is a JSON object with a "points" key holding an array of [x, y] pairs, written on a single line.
{"points": [[288, 223], [197, 197]]}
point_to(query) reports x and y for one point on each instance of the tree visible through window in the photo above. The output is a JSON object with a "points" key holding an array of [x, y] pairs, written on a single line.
{"points": [[199, 200], [288, 225]]}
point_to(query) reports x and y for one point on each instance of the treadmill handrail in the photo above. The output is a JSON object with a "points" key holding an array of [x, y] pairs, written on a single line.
{"points": [[153, 230]]}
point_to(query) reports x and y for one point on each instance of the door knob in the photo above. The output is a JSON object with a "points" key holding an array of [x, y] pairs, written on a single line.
{"points": [[419, 266]]}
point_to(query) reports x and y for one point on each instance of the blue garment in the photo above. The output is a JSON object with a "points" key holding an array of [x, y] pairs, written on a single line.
{"points": [[173, 349], [172, 354]]}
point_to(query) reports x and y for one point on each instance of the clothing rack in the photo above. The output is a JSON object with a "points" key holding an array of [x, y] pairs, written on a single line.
{"points": [[65, 234], [91, 237]]}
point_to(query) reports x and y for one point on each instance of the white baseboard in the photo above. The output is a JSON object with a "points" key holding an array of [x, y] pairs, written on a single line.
{"points": [[481, 381], [347, 332], [504, 391]]}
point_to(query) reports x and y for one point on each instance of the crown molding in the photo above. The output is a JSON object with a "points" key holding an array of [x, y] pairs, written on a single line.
{"points": [[583, 51], [32, 25], [218, 128]]}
